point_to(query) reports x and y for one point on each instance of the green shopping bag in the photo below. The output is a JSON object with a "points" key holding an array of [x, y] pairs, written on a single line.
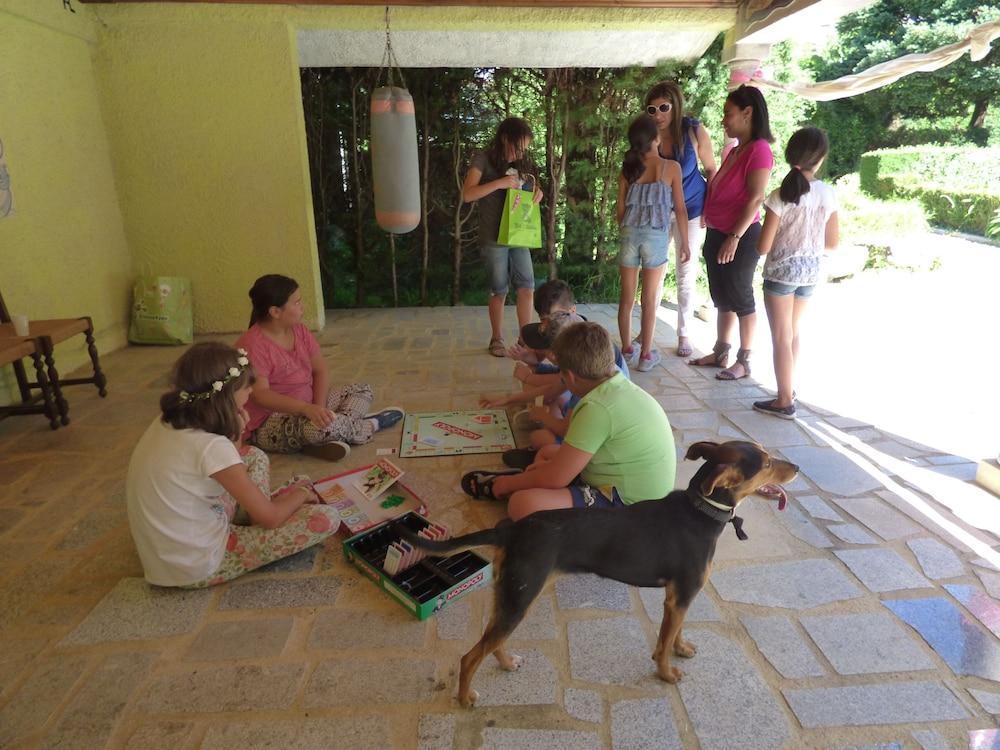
{"points": [[161, 311], [521, 221]]}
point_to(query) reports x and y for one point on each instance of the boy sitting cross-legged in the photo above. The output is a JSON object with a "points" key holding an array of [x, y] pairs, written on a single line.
{"points": [[618, 449]]}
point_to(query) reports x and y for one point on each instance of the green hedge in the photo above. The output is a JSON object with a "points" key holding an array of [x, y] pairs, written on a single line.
{"points": [[958, 187]]}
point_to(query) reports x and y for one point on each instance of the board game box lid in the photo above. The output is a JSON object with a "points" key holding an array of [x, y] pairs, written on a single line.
{"points": [[357, 512]]}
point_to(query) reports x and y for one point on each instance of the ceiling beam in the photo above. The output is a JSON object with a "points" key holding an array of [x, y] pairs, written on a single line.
{"points": [[465, 3]]}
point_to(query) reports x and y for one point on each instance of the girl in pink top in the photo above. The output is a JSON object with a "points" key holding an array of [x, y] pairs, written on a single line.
{"points": [[292, 407], [732, 215]]}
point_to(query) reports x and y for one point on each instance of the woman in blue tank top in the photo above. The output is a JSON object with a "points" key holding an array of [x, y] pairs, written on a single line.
{"points": [[685, 141]]}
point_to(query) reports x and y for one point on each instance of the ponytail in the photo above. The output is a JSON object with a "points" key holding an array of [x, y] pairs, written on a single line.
{"points": [[641, 136], [805, 150]]}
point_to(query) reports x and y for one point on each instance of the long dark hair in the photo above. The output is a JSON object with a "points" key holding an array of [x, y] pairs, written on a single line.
{"points": [[760, 123], [672, 93], [805, 150], [511, 132], [193, 374], [641, 135], [272, 290]]}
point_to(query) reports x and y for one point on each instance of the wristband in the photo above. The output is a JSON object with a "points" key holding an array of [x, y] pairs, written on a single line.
{"points": [[737, 236]]}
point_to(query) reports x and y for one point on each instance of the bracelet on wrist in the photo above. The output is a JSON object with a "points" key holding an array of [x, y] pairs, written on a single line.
{"points": [[737, 236]]}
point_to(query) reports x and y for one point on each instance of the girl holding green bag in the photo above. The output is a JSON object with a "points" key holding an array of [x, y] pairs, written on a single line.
{"points": [[502, 166]]}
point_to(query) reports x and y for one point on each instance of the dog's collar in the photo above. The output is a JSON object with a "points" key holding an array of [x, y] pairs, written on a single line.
{"points": [[720, 512]]}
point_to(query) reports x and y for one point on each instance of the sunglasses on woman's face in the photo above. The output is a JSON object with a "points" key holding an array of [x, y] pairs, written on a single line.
{"points": [[665, 107]]}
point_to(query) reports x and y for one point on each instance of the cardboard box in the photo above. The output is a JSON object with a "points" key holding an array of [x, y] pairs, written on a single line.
{"points": [[426, 587]]}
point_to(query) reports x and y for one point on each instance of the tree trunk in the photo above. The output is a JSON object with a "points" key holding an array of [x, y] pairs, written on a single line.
{"points": [[979, 107], [424, 210], [457, 219], [359, 235]]}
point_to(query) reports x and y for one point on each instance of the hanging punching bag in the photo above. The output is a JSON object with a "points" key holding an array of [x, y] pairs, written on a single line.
{"points": [[394, 160]]}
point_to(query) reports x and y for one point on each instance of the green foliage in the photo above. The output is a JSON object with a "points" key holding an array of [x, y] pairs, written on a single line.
{"points": [[868, 221], [949, 182], [889, 29]]}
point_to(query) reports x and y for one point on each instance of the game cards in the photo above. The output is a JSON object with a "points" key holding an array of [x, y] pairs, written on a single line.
{"points": [[378, 478]]}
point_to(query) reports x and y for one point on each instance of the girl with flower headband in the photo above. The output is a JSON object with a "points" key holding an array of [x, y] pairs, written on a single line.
{"points": [[800, 222], [293, 408], [186, 479]]}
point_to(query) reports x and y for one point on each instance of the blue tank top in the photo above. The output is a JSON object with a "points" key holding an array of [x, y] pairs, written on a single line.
{"points": [[687, 157]]}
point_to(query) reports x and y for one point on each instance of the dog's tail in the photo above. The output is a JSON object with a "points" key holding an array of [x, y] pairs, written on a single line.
{"points": [[486, 538]]}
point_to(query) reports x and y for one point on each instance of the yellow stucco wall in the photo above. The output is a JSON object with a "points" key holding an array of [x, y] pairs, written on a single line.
{"points": [[63, 251]]}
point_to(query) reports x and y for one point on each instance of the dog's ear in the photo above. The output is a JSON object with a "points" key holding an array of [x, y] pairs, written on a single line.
{"points": [[722, 475], [703, 449]]}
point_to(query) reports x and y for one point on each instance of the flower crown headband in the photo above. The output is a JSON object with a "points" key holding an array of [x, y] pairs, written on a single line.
{"points": [[231, 374]]}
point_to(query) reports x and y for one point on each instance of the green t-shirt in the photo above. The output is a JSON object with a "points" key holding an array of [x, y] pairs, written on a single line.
{"points": [[629, 435]]}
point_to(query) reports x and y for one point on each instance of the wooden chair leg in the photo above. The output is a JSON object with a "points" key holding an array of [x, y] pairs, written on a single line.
{"points": [[50, 365], [99, 380], [46, 388]]}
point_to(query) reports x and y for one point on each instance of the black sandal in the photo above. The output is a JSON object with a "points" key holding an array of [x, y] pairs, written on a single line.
{"points": [[479, 484]]}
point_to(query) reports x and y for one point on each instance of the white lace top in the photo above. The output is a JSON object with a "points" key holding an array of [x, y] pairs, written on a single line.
{"points": [[798, 246]]}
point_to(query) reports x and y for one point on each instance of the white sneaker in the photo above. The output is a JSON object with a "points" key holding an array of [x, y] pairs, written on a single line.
{"points": [[631, 358], [647, 364]]}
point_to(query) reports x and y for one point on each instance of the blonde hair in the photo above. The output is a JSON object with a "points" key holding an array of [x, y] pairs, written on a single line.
{"points": [[585, 349]]}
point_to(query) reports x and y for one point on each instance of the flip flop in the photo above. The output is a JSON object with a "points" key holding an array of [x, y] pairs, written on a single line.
{"points": [[479, 484], [684, 350], [497, 347]]}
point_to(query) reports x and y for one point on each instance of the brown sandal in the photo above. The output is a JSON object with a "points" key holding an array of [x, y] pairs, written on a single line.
{"points": [[497, 347], [742, 358], [718, 358]]}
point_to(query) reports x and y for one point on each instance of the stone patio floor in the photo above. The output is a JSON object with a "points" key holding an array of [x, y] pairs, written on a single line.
{"points": [[865, 615]]}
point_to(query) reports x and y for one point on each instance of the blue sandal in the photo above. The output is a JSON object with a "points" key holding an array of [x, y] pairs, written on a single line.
{"points": [[479, 484]]}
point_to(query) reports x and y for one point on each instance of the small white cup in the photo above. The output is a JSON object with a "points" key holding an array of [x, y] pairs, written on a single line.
{"points": [[20, 324]]}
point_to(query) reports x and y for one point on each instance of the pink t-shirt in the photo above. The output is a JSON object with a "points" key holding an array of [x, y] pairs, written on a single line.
{"points": [[728, 195], [288, 372]]}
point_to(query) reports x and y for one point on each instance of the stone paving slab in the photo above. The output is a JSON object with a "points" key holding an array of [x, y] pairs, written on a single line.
{"points": [[768, 431], [588, 591], [831, 471], [799, 526], [778, 639], [538, 625], [880, 703], [955, 637], [982, 607], [367, 630], [357, 733], [264, 593], [720, 675], [930, 740], [436, 732], [453, 621], [91, 716], [585, 705], [160, 735], [882, 569], [643, 725], [866, 644], [798, 584], [535, 682], [984, 739], [134, 610], [988, 700], [495, 738], [30, 707], [702, 609], [817, 508], [878, 517], [203, 689], [880, 746], [991, 582], [366, 682], [240, 639], [936, 558], [623, 659], [851, 533]]}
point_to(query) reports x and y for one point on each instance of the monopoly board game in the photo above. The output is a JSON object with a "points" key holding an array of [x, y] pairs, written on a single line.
{"points": [[357, 510], [452, 433]]}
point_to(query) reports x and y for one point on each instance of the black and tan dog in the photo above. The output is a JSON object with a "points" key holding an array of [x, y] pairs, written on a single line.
{"points": [[666, 543]]}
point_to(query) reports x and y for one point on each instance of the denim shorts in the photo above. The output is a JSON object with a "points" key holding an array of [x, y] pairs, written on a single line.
{"points": [[781, 289], [507, 265], [585, 496], [643, 245]]}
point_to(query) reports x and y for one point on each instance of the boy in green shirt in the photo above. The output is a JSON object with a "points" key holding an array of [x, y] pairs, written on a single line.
{"points": [[618, 450]]}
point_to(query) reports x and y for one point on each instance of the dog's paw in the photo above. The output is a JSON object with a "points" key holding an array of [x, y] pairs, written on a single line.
{"points": [[469, 701], [670, 674], [685, 648], [514, 664]]}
